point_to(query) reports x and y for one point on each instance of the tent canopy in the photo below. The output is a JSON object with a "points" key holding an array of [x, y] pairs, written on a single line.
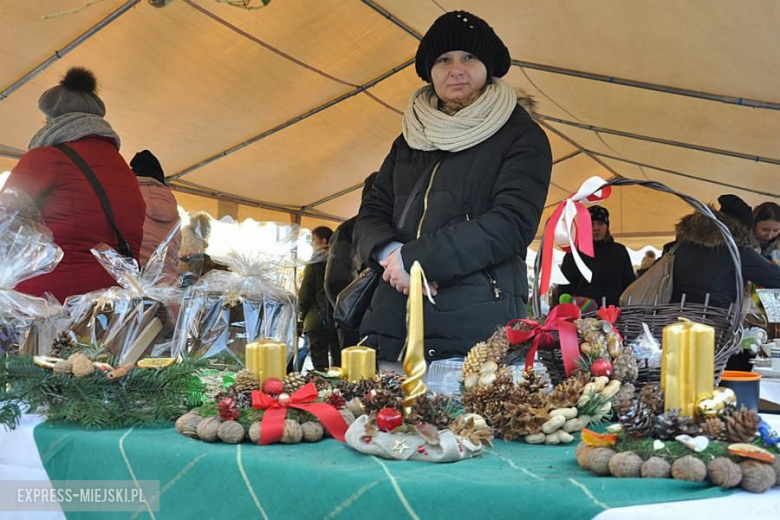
{"points": [[286, 109]]}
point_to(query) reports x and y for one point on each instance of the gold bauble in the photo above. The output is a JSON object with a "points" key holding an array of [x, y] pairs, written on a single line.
{"points": [[712, 406]]}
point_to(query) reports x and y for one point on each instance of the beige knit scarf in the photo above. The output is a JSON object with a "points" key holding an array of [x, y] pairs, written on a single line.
{"points": [[427, 128]]}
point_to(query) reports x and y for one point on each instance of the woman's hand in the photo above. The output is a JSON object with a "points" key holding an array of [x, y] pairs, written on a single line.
{"points": [[396, 276]]}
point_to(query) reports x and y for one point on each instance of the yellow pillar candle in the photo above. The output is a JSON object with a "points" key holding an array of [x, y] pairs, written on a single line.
{"points": [[414, 359], [687, 365], [249, 362], [358, 363], [270, 359]]}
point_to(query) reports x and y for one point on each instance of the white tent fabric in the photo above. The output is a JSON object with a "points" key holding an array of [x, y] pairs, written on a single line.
{"points": [[283, 108]]}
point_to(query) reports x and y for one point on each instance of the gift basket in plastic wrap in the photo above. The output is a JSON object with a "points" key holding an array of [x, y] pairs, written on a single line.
{"points": [[135, 319], [225, 310], [27, 250]]}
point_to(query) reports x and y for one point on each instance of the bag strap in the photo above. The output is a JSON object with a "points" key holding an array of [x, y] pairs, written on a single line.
{"points": [[122, 246], [413, 194]]}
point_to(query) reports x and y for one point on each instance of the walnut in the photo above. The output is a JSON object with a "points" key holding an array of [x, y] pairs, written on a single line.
{"points": [[82, 366], [598, 461], [581, 453], [724, 472], [208, 429], [757, 477], [254, 433], [656, 467], [231, 432], [355, 406], [689, 468], [312, 431], [625, 465], [776, 467], [348, 416], [293, 433], [187, 424], [63, 366]]}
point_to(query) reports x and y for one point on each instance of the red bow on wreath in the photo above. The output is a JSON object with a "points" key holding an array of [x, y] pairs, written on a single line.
{"points": [[303, 399], [610, 314], [560, 319]]}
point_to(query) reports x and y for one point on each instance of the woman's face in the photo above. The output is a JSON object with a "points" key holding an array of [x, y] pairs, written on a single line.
{"points": [[766, 230], [457, 76]]}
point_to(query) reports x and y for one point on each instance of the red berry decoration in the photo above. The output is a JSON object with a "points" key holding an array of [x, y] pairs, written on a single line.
{"points": [[228, 409], [273, 386], [601, 367], [388, 419]]}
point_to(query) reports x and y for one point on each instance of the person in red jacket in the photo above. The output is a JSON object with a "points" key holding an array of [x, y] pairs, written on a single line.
{"points": [[67, 201]]}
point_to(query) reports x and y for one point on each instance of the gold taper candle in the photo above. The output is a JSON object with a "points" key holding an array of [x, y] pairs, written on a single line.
{"points": [[250, 363], [358, 363], [414, 360], [271, 359], [687, 365]]}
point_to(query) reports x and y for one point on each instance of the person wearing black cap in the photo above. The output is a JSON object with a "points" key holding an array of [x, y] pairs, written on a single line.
{"points": [[702, 264], [611, 265], [462, 192], [162, 212], [69, 204]]}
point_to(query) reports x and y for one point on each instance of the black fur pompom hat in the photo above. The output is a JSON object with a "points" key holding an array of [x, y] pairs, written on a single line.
{"points": [[77, 92], [462, 31]]}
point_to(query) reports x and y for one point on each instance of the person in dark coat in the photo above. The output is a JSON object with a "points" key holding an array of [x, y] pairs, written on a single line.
{"points": [[313, 308], [343, 267], [702, 264], [68, 203], [766, 230], [461, 191], [611, 265]]}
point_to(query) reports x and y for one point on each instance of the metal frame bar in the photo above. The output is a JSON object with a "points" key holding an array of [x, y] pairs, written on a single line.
{"points": [[577, 146], [69, 47], [336, 195], [290, 122], [657, 140], [686, 175]]}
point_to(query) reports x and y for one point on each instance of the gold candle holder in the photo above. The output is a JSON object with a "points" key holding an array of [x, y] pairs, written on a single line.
{"points": [[414, 359], [687, 365], [269, 359], [358, 363]]}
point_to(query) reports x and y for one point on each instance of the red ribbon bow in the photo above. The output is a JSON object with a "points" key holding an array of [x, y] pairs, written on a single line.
{"points": [[610, 314], [560, 319], [303, 399]]}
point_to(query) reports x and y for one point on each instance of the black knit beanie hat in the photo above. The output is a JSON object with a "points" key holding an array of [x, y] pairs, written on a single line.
{"points": [[736, 208], [462, 31], [599, 214], [145, 164], [77, 92]]}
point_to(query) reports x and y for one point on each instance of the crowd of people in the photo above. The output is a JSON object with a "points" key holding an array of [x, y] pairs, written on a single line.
{"points": [[461, 191]]}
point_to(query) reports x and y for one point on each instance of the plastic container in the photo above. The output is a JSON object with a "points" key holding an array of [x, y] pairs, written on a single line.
{"points": [[745, 384]]}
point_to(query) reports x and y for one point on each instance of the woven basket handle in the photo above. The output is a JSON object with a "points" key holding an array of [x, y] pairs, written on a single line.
{"points": [[698, 206]]}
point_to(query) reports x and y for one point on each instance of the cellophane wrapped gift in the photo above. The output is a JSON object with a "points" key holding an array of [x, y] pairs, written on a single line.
{"points": [[225, 310], [135, 319], [27, 250]]}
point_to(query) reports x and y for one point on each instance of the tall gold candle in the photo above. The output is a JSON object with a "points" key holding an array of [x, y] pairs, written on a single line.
{"points": [[687, 365], [414, 360], [249, 362], [271, 359], [358, 363]]}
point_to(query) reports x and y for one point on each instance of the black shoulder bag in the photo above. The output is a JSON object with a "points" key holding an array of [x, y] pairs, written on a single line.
{"points": [[123, 248], [353, 301]]}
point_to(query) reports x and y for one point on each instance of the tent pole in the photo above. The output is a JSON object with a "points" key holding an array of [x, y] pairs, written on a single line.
{"points": [[669, 142], [577, 146], [686, 175], [400, 23], [69, 47], [291, 122], [336, 195]]}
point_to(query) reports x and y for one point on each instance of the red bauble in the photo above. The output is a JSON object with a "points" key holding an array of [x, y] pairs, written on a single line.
{"points": [[273, 386], [601, 367], [388, 419]]}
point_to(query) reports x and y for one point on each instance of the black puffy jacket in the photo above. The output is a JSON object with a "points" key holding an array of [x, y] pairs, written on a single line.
{"points": [[612, 273], [468, 224]]}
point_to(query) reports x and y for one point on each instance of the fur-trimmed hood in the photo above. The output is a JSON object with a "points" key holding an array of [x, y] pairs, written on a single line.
{"points": [[700, 230], [526, 101]]}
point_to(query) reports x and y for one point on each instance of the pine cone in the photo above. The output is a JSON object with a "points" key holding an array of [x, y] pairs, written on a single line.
{"points": [[638, 420], [624, 399], [625, 368], [228, 409], [714, 428], [742, 425], [244, 400], [567, 393], [669, 425], [375, 400], [293, 381], [63, 342], [476, 357], [652, 395], [246, 382], [391, 381], [336, 400]]}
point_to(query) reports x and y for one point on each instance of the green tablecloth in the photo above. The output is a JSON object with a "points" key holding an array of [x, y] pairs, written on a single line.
{"points": [[329, 480]]}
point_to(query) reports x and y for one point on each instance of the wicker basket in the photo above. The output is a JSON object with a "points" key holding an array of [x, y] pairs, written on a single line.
{"points": [[726, 322]]}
